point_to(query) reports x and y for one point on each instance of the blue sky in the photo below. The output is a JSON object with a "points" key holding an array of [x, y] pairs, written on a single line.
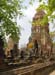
{"points": [[25, 24]]}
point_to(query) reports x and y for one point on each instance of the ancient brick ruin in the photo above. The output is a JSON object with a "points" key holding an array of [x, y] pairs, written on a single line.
{"points": [[41, 34]]}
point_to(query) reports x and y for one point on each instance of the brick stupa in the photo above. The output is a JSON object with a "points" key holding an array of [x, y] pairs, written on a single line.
{"points": [[41, 34]]}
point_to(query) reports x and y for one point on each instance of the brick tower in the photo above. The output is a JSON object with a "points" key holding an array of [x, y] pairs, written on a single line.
{"points": [[41, 34]]}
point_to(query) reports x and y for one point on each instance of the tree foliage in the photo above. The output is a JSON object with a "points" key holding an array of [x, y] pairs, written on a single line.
{"points": [[49, 8], [9, 10], [42, 21]]}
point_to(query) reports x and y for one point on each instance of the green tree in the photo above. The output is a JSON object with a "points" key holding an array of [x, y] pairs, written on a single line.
{"points": [[9, 10], [49, 7]]}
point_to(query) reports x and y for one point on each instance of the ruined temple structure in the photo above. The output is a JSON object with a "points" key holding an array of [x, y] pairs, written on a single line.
{"points": [[41, 34], [11, 45]]}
